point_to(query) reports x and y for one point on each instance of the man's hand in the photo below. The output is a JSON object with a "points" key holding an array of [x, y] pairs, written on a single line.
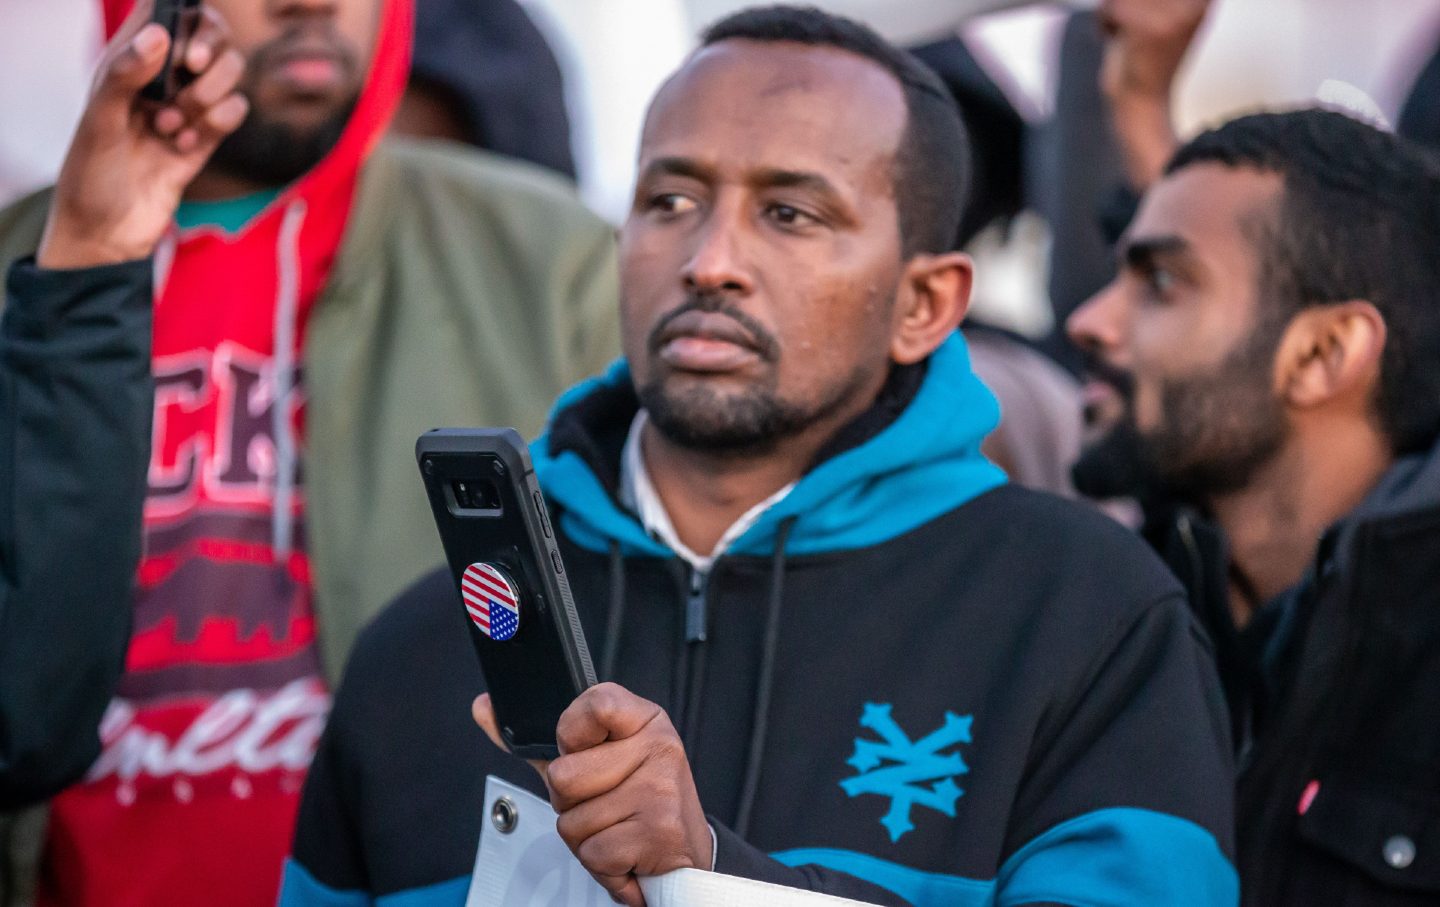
{"points": [[1146, 41], [130, 160], [623, 789]]}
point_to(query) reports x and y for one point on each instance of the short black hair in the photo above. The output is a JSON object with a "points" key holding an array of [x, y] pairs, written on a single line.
{"points": [[931, 162], [1359, 218]]}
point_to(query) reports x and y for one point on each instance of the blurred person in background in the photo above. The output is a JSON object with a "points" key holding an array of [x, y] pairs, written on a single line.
{"points": [[317, 307], [1270, 357], [75, 405], [483, 74]]}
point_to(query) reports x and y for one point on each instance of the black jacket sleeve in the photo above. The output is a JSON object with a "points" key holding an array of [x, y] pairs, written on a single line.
{"points": [[735, 857], [76, 400]]}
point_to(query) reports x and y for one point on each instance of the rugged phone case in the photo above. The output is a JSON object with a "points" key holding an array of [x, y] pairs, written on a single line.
{"points": [[493, 523]]}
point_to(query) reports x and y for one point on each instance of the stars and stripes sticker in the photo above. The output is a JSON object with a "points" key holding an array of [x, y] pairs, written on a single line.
{"points": [[491, 600]]}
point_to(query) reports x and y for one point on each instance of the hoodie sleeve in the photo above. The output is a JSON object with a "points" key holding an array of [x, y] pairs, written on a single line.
{"points": [[76, 401], [735, 857], [1128, 797], [326, 868]]}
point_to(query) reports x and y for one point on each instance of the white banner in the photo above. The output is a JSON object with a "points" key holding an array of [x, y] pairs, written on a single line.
{"points": [[522, 862]]}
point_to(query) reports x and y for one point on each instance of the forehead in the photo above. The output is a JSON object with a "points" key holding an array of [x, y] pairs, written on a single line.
{"points": [[743, 104], [1217, 211]]}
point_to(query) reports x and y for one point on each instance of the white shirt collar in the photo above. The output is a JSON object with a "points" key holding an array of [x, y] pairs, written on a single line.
{"points": [[638, 493]]}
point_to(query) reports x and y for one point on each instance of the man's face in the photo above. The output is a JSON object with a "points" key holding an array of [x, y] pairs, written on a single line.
{"points": [[306, 63], [1182, 346], [760, 261]]}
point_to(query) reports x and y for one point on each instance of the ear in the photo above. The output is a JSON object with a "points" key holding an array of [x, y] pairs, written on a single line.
{"points": [[933, 298], [1331, 352]]}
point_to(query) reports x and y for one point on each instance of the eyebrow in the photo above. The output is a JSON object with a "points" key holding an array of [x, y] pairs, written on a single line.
{"points": [[1141, 254], [765, 178], [794, 179], [769, 178], [678, 166]]}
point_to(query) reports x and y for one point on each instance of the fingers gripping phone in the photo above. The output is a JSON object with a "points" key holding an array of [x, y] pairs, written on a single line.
{"points": [[501, 551], [179, 18]]}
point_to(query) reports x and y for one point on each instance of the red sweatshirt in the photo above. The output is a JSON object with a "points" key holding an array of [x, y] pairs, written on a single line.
{"points": [[205, 748]]}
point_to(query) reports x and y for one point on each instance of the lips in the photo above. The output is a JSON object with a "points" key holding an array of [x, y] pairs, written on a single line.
{"points": [[706, 342], [307, 66]]}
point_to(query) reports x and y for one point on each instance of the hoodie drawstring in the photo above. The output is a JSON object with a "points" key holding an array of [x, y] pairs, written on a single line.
{"points": [[282, 429], [615, 618], [767, 681]]}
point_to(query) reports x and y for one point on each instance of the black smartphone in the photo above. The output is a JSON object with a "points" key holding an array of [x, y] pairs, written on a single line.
{"points": [[179, 17], [501, 550]]}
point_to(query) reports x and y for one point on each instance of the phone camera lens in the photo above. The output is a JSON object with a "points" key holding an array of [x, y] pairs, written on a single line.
{"points": [[476, 494]]}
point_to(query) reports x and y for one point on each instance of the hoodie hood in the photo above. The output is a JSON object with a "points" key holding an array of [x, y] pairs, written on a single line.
{"points": [[924, 463], [1413, 483], [489, 58]]}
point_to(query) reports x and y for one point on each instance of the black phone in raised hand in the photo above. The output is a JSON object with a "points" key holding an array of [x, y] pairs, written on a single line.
{"points": [[501, 551], [179, 18]]}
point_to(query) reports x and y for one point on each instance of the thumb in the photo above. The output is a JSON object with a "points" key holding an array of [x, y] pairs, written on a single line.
{"points": [[140, 60], [630, 894], [484, 714]]}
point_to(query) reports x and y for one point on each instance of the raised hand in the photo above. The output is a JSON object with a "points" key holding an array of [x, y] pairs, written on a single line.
{"points": [[623, 789], [130, 160], [1146, 41]]}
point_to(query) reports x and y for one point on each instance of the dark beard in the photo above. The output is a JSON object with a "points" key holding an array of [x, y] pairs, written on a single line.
{"points": [[698, 418], [273, 153], [1115, 466], [1219, 429]]}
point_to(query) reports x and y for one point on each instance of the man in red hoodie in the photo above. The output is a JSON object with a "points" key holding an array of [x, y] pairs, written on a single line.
{"points": [[320, 301]]}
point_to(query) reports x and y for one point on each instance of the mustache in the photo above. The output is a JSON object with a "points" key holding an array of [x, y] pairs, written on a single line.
{"points": [[1122, 381], [303, 37], [765, 343]]}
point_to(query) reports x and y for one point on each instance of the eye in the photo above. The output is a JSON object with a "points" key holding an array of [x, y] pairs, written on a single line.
{"points": [[1161, 283], [672, 203], [789, 215]]}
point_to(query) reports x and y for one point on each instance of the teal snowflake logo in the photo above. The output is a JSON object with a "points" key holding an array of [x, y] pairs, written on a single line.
{"points": [[910, 773]]}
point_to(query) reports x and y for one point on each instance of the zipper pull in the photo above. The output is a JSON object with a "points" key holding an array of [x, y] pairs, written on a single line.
{"points": [[695, 617]]}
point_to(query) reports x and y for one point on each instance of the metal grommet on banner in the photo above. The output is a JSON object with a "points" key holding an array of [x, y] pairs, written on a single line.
{"points": [[1399, 852], [504, 815]]}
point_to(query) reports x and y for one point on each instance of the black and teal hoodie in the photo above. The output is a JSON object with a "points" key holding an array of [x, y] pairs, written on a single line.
{"points": [[910, 682]]}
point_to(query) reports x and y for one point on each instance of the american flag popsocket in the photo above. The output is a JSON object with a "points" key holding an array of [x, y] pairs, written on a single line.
{"points": [[492, 601]]}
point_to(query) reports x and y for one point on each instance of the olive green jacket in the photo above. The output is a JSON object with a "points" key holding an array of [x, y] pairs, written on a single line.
{"points": [[469, 290]]}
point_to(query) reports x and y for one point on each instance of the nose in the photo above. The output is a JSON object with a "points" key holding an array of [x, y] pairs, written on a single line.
{"points": [[1100, 324], [717, 264]]}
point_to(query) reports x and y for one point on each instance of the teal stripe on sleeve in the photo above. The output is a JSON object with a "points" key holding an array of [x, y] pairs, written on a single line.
{"points": [[923, 889], [298, 888], [1120, 858]]}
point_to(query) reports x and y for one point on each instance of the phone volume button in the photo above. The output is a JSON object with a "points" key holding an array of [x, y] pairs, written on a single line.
{"points": [[555, 559], [544, 518]]}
